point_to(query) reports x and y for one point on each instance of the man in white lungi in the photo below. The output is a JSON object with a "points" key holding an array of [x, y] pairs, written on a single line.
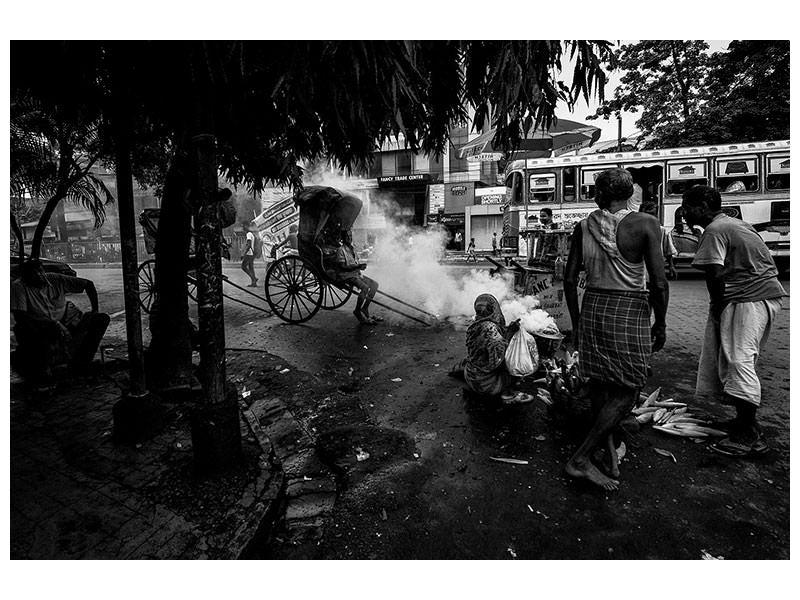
{"points": [[746, 298]]}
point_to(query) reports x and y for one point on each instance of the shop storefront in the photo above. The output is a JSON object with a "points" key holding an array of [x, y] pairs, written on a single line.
{"points": [[481, 222], [403, 198]]}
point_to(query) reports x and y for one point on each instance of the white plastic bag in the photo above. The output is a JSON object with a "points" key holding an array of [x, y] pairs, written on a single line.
{"points": [[519, 359]]}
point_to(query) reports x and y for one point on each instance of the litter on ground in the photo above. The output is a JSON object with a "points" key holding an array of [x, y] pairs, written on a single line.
{"points": [[510, 461]]}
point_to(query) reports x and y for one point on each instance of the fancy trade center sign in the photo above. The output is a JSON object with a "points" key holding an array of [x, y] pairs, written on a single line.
{"points": [[401, 180]]}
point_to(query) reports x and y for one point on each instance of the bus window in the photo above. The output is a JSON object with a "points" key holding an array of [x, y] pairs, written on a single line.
{"points": [[514, 189], [587, 183], [542, 187], [568, 192], [736, 175], [683, 175], [778, 173]]}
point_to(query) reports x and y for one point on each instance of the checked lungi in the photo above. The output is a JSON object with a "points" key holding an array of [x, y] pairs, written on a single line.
{"points": [[614, 344]]}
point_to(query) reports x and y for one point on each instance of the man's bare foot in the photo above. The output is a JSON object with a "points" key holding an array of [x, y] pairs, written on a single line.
{"points": [[603, 461], [613, 468], [588, 471]]}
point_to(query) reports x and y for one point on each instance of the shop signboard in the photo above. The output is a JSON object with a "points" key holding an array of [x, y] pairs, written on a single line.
{"points": [[273, 224], [490, 195], [550, 293], [458, 195], [435, 198], [414, 179]]}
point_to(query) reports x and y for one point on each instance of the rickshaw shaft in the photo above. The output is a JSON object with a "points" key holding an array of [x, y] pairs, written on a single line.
{"points": [[400, 312], [407, 304]]}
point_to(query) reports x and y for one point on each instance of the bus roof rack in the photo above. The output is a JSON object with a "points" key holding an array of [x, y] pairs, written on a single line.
{"points": [[644, 155]]}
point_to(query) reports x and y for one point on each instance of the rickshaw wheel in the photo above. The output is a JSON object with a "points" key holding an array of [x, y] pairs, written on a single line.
{"points": [[147, 284], [335, 297], [293, 290]]}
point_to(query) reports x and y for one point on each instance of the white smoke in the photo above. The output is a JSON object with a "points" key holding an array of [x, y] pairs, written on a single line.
{"points": [[406, 264]]}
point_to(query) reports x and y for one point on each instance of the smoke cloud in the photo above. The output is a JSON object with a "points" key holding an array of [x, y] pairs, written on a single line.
{"points": [[405, 263]]}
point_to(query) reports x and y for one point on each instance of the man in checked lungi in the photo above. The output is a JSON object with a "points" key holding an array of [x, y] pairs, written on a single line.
{"points": [[615, 247]]}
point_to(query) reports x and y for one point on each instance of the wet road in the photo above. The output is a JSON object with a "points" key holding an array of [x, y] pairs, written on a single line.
{"points": [[430, 490]]}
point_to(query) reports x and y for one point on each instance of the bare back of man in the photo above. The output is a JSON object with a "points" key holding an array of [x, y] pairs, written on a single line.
{"points": [[638, 239]]}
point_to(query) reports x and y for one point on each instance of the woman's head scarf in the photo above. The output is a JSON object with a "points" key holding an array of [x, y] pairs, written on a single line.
{"points": [[486, 344], [487, 308]]}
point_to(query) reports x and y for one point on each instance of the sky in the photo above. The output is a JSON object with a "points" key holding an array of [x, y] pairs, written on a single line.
{"points": [[609, 128]]}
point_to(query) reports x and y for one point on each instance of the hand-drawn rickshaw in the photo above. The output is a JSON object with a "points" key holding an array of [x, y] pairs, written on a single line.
{"points": [[298, 286], [146, 271]]}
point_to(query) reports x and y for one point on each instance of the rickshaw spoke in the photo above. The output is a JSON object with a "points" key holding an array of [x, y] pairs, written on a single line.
{"points": [[307, 275], [279, 284], [301, 301], [283, 273], [279, 296], [296, 271], [286, 302]]}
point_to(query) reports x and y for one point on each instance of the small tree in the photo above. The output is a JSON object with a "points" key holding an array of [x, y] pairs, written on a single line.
{"points": [[52, 158]]}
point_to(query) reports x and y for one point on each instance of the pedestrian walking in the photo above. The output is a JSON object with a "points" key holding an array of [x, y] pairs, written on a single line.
{"points": [[471, 256], [249, 256], [494, 244], [745, 299], [615, 246]]}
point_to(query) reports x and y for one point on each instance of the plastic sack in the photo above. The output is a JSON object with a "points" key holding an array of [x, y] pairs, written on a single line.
{"points": [[521, 355]]}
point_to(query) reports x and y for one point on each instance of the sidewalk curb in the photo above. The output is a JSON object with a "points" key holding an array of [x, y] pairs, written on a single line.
{"points": [[310, 489]]}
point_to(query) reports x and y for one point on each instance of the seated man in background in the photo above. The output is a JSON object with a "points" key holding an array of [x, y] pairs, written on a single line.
{"points": [[49, 329]]}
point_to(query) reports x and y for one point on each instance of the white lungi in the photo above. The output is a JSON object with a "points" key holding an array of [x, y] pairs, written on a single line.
{"points": [[731, 348]]}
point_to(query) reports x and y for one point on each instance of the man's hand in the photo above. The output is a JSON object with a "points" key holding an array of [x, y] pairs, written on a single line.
{"points": [[672, 274], [716, 310], [658, 335], [63, 332], [513, 327]]}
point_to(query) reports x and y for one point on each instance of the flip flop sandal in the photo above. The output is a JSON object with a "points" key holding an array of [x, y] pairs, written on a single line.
{"points": [[730, 448]]}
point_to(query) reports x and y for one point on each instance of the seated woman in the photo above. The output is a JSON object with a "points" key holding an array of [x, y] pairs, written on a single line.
{"points": [[345, 268], [484, 368]]}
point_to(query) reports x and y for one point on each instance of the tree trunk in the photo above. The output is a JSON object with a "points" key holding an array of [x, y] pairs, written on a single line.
{"points": [[65, 181], [18, 234], [209, 272], [170, 355], [44, 220], [127, 234], [216, 437], [61, 229]]}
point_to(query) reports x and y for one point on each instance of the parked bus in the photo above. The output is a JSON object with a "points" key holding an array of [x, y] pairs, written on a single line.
{"points": [[753, 179]]}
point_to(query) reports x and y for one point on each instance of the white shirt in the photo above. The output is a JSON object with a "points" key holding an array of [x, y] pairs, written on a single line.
{"points": [[252, 239]]}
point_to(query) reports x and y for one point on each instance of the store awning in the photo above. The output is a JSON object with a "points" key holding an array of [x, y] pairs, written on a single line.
{"points": [[564, 136]]}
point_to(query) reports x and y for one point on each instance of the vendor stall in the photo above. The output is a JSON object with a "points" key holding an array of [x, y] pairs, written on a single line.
{"points": [[542, 274]]}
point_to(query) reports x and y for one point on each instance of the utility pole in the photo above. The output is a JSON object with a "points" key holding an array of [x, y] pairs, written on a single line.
{"points": [[619, 132]]}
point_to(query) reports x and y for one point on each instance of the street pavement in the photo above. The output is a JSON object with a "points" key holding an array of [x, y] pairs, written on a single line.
{"points": [[373, 467]]}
